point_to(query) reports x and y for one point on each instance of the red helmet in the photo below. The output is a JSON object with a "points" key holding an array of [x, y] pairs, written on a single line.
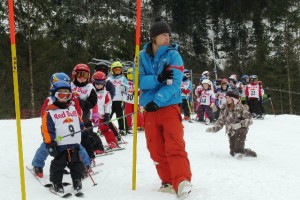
{"points": [[224, 80], [100, 76], [81, 67]]}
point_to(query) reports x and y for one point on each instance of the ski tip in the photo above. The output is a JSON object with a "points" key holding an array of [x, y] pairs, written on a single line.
{"points": [[79, 194]]}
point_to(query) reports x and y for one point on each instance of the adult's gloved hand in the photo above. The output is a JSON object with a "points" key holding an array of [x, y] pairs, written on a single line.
{"points": [[151, 107], [165, 74], [106, 118], [52, 148]]}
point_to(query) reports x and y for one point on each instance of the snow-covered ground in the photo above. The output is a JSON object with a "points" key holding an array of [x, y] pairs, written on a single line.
{"points": [[274, 174]]}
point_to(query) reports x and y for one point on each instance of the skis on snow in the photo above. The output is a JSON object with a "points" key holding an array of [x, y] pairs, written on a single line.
{"points": [[115, 149], [104, 154], [44, 183]]}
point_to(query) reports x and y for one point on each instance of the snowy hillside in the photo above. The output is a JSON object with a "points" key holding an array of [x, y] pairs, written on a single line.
{"points": [[275, 174]]}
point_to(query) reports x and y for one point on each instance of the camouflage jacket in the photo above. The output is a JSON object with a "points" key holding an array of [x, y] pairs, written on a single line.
{"points": [[227, 118]]}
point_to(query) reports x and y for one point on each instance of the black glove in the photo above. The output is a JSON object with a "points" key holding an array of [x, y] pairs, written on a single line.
{"points": [[52, 149], [165, 74], [151, 107], [91, 139], [106, 118]]}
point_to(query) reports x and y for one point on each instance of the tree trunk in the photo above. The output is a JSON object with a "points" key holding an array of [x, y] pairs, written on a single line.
{"points": [[30, 63], [287, 54]]}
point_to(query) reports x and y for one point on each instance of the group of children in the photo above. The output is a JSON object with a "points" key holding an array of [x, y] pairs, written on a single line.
{"points": [[210, 96], [73, 109]]}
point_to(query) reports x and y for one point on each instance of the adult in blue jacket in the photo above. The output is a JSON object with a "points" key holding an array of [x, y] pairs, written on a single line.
{"points": [[160, 77]]}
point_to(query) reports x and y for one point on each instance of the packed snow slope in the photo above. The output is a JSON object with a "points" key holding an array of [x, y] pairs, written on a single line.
{"points": [[274, 174]]}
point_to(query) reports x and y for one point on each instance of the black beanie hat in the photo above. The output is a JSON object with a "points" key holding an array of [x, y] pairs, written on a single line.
{"points": [[232, 93], [159, 27]]}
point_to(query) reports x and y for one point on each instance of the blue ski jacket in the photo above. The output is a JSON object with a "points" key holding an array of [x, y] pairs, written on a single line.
{"points": [[151, 66]]}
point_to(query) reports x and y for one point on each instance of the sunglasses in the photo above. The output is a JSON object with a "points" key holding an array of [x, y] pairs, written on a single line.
{"points": [[63, 95], [99, 82], [82, 74]]}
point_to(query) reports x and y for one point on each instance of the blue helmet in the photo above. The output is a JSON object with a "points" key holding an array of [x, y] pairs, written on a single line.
{"points": [[186, 74], [58, 76], [59, 85], [186, 71], [244, 77]]}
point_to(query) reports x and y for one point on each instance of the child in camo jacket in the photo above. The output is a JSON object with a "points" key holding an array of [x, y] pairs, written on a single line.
{"points": [[237, 121]]}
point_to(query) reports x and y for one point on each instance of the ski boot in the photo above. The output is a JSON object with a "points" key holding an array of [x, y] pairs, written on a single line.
{"points": [[58, 187], [38, 171], [77, 185], [121, 132]]}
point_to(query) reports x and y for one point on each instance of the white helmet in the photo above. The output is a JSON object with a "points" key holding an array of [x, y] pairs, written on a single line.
{"points": [[233, 76], [205, 73], [206, 81]]}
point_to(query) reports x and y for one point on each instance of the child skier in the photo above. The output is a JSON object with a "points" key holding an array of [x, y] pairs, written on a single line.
{"points": [[121, 86], [186, 88], [233, 84], [207, 101], [263, 96], [86, 94], [129, 103], [245, 82], [109, 86], [237, 120], [101, 113], [221, 97], [42, 153], [60, 119], [253, 95], [198, 92]]}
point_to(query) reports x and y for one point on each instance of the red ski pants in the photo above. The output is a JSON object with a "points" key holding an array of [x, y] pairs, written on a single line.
{"points": [[164, 135], [108, 133], [129, 108]]}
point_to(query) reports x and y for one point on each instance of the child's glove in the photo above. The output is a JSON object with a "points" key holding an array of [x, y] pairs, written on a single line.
{"points": [[52, 149], [106, 118], [123, 88], [236, 126], [96, 117]]}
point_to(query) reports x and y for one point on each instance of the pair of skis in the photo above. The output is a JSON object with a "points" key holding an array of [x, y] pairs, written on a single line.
{"points": [[44, 183], [50, 186], [76, 193]]}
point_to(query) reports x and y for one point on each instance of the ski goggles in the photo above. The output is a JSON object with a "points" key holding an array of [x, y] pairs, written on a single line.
{"points": [[99, 82], [82, 74], [63, 95]]}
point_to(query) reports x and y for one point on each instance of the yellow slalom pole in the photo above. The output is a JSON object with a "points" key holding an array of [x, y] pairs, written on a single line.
{"points": [[136, 89], [16, 94]]}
